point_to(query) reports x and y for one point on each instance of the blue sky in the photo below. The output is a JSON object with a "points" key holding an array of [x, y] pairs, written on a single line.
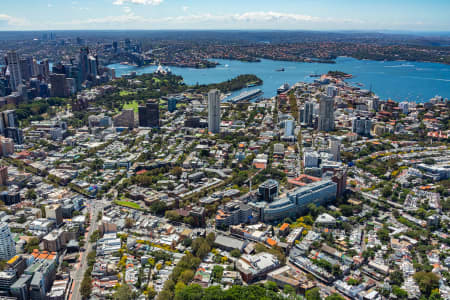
{"points": [[410, 15]]}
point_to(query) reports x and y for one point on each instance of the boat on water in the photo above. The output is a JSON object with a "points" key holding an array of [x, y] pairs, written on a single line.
{"points": [[247, 95], [283, 88], [280, 70], [251, 84], [359, 84], [314, 75], [226, 66]]}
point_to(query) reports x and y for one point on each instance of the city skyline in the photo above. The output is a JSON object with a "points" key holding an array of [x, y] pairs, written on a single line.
{"points": [[171, 14]]}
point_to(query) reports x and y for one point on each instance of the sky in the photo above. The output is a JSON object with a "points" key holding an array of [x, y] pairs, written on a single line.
{"points": [[399, 15]]}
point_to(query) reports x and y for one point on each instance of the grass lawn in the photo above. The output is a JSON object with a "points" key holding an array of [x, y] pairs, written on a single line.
{"points": [[126, 93], [132, 105], [128, 204]]}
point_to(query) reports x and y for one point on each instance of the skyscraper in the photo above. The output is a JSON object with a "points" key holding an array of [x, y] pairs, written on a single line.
{"points": [[54, 212], [93, 66], [7, 245], [3, 175], [214, 111], [83, 62], [335, 149], [26, 67], [58, 82], [149, 114], [8, 118], [289, 128], [326, 114], [172, 104], [307, 111], [14, 69], [361, 126], [332, 91]]}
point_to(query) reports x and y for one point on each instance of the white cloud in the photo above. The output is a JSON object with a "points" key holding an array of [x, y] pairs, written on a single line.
{"points": [[143, 2], [12, 21], [272, 16], [49, 5], [247, 20], [185, 8]]}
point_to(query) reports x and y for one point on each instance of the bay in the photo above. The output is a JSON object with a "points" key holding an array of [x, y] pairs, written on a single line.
{"points": [[396, 80]]}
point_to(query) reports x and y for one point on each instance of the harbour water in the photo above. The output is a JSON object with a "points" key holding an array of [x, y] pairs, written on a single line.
{"points": [[396, 80]]}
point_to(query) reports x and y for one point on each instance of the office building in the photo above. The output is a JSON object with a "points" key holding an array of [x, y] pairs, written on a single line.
{"points": [[7, 245], [149, 114], [310, 159], [83, 63], [58, 85], [332, 91], [14, 70], [43, 272], [278, 149], [15, 134], [44, 69], [7, 278], [214, 111], [233, 213], [289, 129], [26, 67], [3, 175], [124, 119], [100, 120], [326, 114], [306, 115], [335, 149], [6, 146], [20, 288], [362, 126], [93, 66], [296, 201], [54, 212], [268, 190], [404, 106], [172, 104], [8, 119], [17, 263], [255, 267]]}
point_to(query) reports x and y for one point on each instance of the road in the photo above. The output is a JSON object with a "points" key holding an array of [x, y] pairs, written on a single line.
{"points": [[94, 207]]}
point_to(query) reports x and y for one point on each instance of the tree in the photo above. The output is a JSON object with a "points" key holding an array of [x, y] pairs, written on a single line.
{"points": [[123, 293], [335, 296], [176, 171], [400, 293], [186, 276], [235, 253], [427, 282], [336, 271], [210, 238], [158, 207], [187, 242], [31, 194], [383, 234], [32, 244], [203, 250], [173, 216], [396, 278], [217, 273], [313, 294], [86, 286], [289, 290], [191, 292], [129, 222]]}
